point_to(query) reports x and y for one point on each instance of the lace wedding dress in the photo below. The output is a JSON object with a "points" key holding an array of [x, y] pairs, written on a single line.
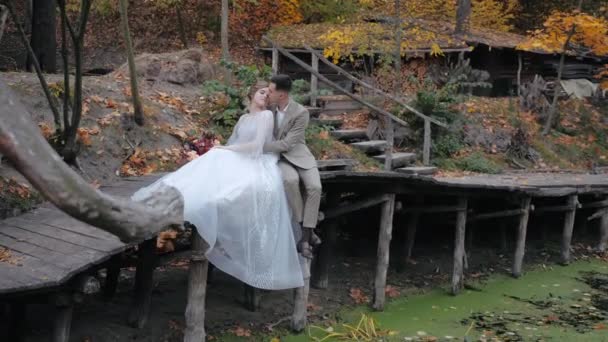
{"points": [[234, 196]]}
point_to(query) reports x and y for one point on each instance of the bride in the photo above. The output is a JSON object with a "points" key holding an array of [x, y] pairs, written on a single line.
{"points": [[234, 197]]}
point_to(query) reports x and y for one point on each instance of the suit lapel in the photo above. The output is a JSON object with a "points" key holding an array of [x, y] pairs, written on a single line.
{"points": [[289, 115]]}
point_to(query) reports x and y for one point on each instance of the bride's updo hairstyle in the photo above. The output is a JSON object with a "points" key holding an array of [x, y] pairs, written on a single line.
{"points": [[254, 89]]}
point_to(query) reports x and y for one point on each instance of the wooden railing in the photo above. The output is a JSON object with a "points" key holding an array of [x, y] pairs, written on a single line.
{"points": [[316, 76]]}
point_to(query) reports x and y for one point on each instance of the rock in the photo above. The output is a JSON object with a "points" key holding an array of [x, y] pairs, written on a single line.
{"points": [[184, 67]]}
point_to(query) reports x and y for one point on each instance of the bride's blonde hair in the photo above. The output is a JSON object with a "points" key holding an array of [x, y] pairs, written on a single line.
{"points": [[254, 89]]}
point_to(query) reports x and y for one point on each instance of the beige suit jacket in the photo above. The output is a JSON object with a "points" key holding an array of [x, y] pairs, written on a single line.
{"points": [[290, 139]]}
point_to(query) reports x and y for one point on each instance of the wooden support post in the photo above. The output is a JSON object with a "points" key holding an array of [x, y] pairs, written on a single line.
{"points": [[426, 148], [275, 60], [63, 317], [601, 247], [144, 283], [390, 141], [314, 81], [197, 288], [16, 321], [520, 244], [412, 226], [569, 218], [384, 241], [112, 276], [252, 298], [299, 318], [459, 252], [320, 277], [469, 237], [504, 244]]}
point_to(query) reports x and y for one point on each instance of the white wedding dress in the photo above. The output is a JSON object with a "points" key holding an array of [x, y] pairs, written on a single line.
{"points": [[235, 198]]}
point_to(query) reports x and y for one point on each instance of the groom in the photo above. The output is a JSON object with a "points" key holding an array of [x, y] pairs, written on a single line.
{"points": [[297, 164]]}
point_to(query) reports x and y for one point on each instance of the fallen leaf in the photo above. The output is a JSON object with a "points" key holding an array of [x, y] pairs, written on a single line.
{"points": [[358, 296], [242, 332]]}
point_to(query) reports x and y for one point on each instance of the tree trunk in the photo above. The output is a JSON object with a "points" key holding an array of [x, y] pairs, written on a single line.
{"points": [[22, 143], [180, 25], [463, 15], [3, 16], [137, 108], [34, 61], [224, 38], [70, 150], [560, 69], [43, 40]]}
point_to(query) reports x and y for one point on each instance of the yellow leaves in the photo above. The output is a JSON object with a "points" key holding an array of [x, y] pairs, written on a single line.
{"points": [[587, 31], [201, 38], [436, 50]]}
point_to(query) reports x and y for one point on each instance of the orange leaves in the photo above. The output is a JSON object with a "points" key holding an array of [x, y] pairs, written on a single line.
{"points": [[84, 134], [164, 241], [142, 162], [45, 130], [589, 31], [173, 102], [136, 165], [241, 332], [391, 291], [358, 296], [252, 18]]}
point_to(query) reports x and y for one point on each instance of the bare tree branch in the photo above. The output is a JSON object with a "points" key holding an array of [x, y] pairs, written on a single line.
{"points": [[22, 143]]}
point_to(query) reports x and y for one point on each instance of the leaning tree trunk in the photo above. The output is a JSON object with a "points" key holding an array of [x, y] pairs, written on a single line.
{"points": [[138, 111], [43, 38], [22, 143], [463, 15]]}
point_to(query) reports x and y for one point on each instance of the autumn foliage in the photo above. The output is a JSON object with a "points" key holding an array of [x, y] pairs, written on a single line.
{"points": [[251, 19], [589, 34]]}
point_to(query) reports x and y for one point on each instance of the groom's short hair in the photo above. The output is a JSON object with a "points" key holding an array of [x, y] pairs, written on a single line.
{"points": [[282, 82]]}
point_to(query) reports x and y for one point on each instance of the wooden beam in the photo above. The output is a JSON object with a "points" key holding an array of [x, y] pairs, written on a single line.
{"points": [[252, 298], [599, 204], [435, 209], [459, 248], [520, 245], [197, 289], [375, 89], [558, 208], [426, 147], [144, 284], [334, 85], [355, 206], [409, 51], [275, 61], [62, 323], [323, 260], [299, 318], [384, 242], [597, 214], [314, 87], [497, 214], [568, 229], [601, 246]]}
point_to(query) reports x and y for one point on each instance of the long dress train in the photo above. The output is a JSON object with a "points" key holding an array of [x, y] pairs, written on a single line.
{"points": [[234, 196]]}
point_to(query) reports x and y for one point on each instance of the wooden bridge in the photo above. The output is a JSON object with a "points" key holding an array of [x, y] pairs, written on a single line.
{"points": [[50, 256]]}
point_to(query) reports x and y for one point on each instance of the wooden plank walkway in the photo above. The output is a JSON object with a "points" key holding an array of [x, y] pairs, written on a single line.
{"points": [[47, 247]]}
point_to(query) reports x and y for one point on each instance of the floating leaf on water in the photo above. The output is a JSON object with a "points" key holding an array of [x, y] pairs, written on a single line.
{"points": [[421, 333]]}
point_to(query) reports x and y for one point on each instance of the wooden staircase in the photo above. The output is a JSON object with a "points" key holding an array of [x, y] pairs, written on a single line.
{"points": [[332, 106]]}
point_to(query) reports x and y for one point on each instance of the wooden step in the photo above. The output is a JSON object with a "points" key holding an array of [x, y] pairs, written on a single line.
{"points": [[342, 105], [335, 164], [418, 170], [336, 112], [335, 123], [398, 159], [371, 147], [314, 111], [349, 134]]}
